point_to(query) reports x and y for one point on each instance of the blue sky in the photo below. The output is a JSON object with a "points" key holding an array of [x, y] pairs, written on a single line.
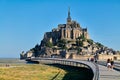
{"points": [[24, 22]]}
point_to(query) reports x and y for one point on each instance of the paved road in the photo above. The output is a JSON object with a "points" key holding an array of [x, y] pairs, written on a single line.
{"points": [[116, 65], [106, 74]]}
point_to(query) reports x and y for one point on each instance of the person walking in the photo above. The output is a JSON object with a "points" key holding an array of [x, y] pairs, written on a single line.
{"points": [[112, 63], [108, 64]]}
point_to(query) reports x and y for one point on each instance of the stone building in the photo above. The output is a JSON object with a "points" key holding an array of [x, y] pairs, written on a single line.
{"points": [[69, 31]]}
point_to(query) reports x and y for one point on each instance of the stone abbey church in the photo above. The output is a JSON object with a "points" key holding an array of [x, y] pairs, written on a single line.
{"points": [[69, 31], [70, 40]]}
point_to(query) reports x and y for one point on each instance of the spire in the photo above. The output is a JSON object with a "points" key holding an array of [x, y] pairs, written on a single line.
{"points": [[69, 12], [69, 18]]}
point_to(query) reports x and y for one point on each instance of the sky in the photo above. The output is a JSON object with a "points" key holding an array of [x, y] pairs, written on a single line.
{"points": [[24, 22]]}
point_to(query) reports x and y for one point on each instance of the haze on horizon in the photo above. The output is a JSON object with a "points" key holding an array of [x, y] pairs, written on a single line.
{"points": [[23, 23]]}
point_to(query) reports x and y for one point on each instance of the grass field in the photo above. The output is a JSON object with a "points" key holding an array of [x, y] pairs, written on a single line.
{"points": [[30, 72], [19, 70], [43, 72]]}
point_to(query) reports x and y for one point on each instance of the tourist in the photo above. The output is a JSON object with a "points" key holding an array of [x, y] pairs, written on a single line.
{"points": [[95, 60], [7, 65], [92, 59], [108, 63], [88, 59], [112, 63]]}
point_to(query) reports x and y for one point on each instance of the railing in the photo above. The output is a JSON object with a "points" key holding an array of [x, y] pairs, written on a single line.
{"points": [[91, 65], [96, 74]]}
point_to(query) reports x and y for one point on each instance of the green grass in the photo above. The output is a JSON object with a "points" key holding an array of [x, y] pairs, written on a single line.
{"points": [[43, 72], [30, 72]]}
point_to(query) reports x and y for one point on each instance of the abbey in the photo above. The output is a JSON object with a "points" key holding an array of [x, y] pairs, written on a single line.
{"points": [[69, 31]]}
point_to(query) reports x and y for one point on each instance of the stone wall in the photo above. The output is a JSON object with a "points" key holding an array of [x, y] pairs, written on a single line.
{"points": [[105, 57], [100, 57]]}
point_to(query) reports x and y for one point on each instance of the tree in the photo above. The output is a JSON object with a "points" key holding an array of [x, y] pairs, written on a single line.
{"points": [[79, 43], [62, 43], [79, 50], [82, 38], [90, 41], [36, 50], [49, 44], [99, 44]]}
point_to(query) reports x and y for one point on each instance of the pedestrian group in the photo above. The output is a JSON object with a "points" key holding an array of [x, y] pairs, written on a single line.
{"points": [[110, 63]]}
